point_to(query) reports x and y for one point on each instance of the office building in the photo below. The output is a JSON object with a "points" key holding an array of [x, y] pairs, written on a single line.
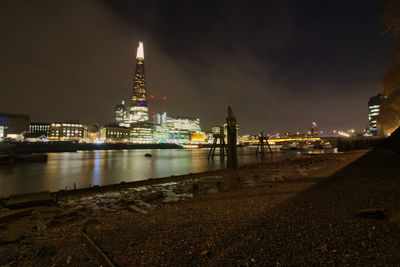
{"points": [[39, 128], [13, 125], [139, 109], [92, 133], [183, 123], [142, 132], [114, 134], [120, 113], [374, 105], [67, 131], [197, 137]]}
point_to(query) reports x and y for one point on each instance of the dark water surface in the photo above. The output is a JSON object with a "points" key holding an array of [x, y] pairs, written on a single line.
{"points": [[104, 167]]}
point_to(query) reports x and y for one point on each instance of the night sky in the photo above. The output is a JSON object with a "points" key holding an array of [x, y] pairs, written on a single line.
{"points": [[282, 64]]}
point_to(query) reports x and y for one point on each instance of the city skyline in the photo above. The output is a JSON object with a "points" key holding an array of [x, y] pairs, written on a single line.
{"points": [[282, 83]]}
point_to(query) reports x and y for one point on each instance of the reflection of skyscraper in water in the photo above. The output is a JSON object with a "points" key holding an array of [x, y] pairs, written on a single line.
{"points": [[139, 109]]}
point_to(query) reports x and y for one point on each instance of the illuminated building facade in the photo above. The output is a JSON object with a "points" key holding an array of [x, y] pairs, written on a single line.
{"points": [[160, 118], [139, 109], [197, 137], [114, 134], [248, 138], [120, 113], [67, 131], [178, 130], [178, 136], [39, 128], [92, 133], [13, 125], [313, 129], [161, 129], [142, 133], [182, 123], [183, 130], [374, 105], [2, 132]]}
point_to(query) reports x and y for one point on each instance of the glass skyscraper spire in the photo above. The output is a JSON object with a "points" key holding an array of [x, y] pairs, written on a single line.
{"points": [[139, 110]]}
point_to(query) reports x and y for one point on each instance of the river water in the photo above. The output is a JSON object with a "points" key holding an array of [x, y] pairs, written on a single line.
{"points": [[103, 167]]}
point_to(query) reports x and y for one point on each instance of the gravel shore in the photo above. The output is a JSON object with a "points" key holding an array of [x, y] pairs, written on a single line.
{"points": [[295, 212]]}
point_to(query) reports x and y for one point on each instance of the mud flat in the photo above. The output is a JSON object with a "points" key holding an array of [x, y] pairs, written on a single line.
{"points": [[297, 211]]}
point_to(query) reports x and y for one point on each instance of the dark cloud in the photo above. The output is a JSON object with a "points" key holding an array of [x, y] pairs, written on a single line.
{"points": [[282, 64]]}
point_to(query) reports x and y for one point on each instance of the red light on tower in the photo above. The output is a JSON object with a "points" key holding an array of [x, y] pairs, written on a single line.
{"points": [[152, 96], [164, 102]]}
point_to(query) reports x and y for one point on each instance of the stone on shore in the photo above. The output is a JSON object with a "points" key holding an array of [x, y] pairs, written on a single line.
{"points": [[372, 213], [11, 236], [29, 200]]}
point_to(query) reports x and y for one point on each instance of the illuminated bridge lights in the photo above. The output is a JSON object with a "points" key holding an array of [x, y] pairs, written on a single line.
{"points": [[279, 140]]}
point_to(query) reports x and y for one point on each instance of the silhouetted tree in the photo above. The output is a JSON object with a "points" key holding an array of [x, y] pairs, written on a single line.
{"points": [[389, 117]]}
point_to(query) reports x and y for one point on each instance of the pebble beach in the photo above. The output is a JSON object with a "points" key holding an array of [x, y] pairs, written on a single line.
{"points": [[303, 211]]}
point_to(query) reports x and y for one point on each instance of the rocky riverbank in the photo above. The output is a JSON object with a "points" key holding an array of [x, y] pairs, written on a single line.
{"points": [[297, 211]]}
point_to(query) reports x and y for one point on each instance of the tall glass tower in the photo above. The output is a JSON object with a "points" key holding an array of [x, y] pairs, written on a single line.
{"points": [[139, 110], [374, 106]]}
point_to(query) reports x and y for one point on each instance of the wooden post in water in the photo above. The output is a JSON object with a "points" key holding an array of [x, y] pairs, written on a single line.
{"points": [[222, 145], [260, 145], [232, 139]]}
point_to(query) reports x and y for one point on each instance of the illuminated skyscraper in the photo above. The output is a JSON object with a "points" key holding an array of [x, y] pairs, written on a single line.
{"points": [[313, 129], [139, 110], [374, 105], [120, 113]]}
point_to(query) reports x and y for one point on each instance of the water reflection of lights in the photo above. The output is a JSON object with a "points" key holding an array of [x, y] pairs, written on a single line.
{"points": [[109, 167], [96, 173]]}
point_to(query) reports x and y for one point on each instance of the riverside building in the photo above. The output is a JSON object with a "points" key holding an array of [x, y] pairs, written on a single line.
{"points": [[374, 105], [142, 132], [120, 113], [40, 128], [178, 130], [114, 134], [67, 131], [161, 128], [13, 125], [139, 110]]}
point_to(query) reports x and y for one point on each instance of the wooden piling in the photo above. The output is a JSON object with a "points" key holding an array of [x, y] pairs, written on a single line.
{"points": [[232, 139], [222, 145], [260, 145]]}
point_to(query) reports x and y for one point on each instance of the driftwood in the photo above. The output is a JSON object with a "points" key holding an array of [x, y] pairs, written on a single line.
{"points": [[100, 255]]}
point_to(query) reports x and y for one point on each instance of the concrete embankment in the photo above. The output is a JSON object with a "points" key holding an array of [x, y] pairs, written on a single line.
{"points": [[354, 143], [67, 146], [43, 147]]}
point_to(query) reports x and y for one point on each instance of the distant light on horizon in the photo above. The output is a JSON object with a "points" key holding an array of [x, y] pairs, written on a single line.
{"points": [[343, 134]]}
